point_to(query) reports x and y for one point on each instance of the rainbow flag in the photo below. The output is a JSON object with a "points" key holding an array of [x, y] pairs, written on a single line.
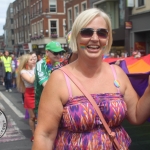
{"points": [[82, 45]]}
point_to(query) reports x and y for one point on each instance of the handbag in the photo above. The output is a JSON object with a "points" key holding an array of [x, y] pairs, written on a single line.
{"points": [[92, 101]]}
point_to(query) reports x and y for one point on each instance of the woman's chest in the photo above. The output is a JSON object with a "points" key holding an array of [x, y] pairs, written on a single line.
{"points": [[80, 115]]}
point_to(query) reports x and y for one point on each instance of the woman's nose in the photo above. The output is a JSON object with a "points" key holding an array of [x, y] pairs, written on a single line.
{"points": [[95, 36]]}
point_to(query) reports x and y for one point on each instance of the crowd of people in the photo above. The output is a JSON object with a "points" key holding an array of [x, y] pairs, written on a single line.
{"points": [[53, 90]]}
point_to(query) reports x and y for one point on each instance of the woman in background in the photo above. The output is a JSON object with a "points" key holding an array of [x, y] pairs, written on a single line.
{"points": [[34, 57], [25, 84], [14, 67]]}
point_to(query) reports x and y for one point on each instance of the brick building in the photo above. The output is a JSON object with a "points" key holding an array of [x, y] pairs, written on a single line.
{"points": [[9, 29], [47, 23], [73, 8], [2, 44], [22, 26]]}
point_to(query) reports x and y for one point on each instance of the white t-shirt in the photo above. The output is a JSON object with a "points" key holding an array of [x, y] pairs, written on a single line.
{"points": [[30, 73], [13, 65]]}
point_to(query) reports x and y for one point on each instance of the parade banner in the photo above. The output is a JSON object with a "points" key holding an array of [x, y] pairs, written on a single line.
{"points": [[137, 70]]}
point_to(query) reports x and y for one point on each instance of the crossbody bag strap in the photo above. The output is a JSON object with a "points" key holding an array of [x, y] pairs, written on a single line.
{"points": [[92, 101]]}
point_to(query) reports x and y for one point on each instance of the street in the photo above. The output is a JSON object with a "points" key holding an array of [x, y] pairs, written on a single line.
{"points": [[18, 134]]}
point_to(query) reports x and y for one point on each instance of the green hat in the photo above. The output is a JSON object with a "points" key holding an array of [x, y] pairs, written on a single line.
{"points": [[54, 46]]}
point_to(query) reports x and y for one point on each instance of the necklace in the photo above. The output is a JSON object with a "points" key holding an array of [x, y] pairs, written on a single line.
{"points": [[51, 66]]}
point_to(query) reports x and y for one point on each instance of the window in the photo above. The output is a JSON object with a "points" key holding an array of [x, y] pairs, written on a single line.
{"points": [[14, 24], [53, 28], [69, 19], [11, 10], [25, 19], [76, 11], [28, 18], [12, 21], [13, 42], [38, 28], [52, 5], [64, 27], [140, 3], [40, 6], [34, 9], [24, 4], [112, 9], [41, 25], [17, 23], [83, 6], [12, 31], [27, 2]]}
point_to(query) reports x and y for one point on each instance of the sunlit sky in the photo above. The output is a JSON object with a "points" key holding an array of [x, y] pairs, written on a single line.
{"points": [[3, 9]]}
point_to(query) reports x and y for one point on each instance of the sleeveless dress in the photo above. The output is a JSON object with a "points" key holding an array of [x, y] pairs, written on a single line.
{"points": [[80, 126]]}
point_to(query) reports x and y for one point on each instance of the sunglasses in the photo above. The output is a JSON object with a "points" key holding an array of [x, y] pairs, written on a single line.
{"points": [[56, 53], [88, 32]]}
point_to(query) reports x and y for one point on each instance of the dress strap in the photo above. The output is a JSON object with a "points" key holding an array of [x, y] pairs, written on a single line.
{"points": [[68, 85], [116, 82]]}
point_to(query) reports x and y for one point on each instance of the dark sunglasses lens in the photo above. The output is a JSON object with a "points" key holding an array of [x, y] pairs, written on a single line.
{"points": [[86, 33], [56, 53], [102, 33]]}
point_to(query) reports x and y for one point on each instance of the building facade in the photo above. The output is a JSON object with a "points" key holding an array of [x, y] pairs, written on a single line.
{"points": [[9, 30], [73, 8], [47, 23], [22, 26], [118, 12], [140, 31], [2, 46]]}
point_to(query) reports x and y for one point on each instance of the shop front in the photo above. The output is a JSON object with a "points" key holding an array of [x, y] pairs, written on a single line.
{"points": [[140, 33], [41, 49], [26, 48], [34, 47]]}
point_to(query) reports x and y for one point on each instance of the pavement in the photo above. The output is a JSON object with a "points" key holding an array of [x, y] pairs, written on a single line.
{"points": [[18, 133]]}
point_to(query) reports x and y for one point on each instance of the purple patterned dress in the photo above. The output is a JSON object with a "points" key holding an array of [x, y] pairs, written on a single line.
{"points": [[81, 129]]}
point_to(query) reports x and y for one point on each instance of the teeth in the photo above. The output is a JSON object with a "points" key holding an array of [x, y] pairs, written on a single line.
{"points": [[95, 47]]}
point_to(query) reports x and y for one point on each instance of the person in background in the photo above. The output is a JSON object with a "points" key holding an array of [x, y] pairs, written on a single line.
{"points": [[137, 54], [25, 84], [2, 71], [112, 55], [44, 67], [14, 68], [7, 60], [34, 57], [66, 118], [39, 57]]}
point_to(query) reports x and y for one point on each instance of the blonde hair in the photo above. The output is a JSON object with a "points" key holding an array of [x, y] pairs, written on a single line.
{"points": [[23, 60], [82, 20]]}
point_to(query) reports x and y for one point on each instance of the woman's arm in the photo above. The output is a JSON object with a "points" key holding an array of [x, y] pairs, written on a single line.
{"points": [[138, 109], [27, 77], [49, 113]]}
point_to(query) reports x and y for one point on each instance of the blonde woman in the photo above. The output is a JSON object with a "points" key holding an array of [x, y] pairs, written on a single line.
{"points": [[25, 84]]}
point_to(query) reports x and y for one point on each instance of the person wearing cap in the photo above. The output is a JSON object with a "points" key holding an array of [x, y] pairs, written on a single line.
{"points": [[44, 67]]}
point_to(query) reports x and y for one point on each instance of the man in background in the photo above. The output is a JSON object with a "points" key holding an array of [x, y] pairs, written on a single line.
{"points": [[7, 60], [44, 67]]}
